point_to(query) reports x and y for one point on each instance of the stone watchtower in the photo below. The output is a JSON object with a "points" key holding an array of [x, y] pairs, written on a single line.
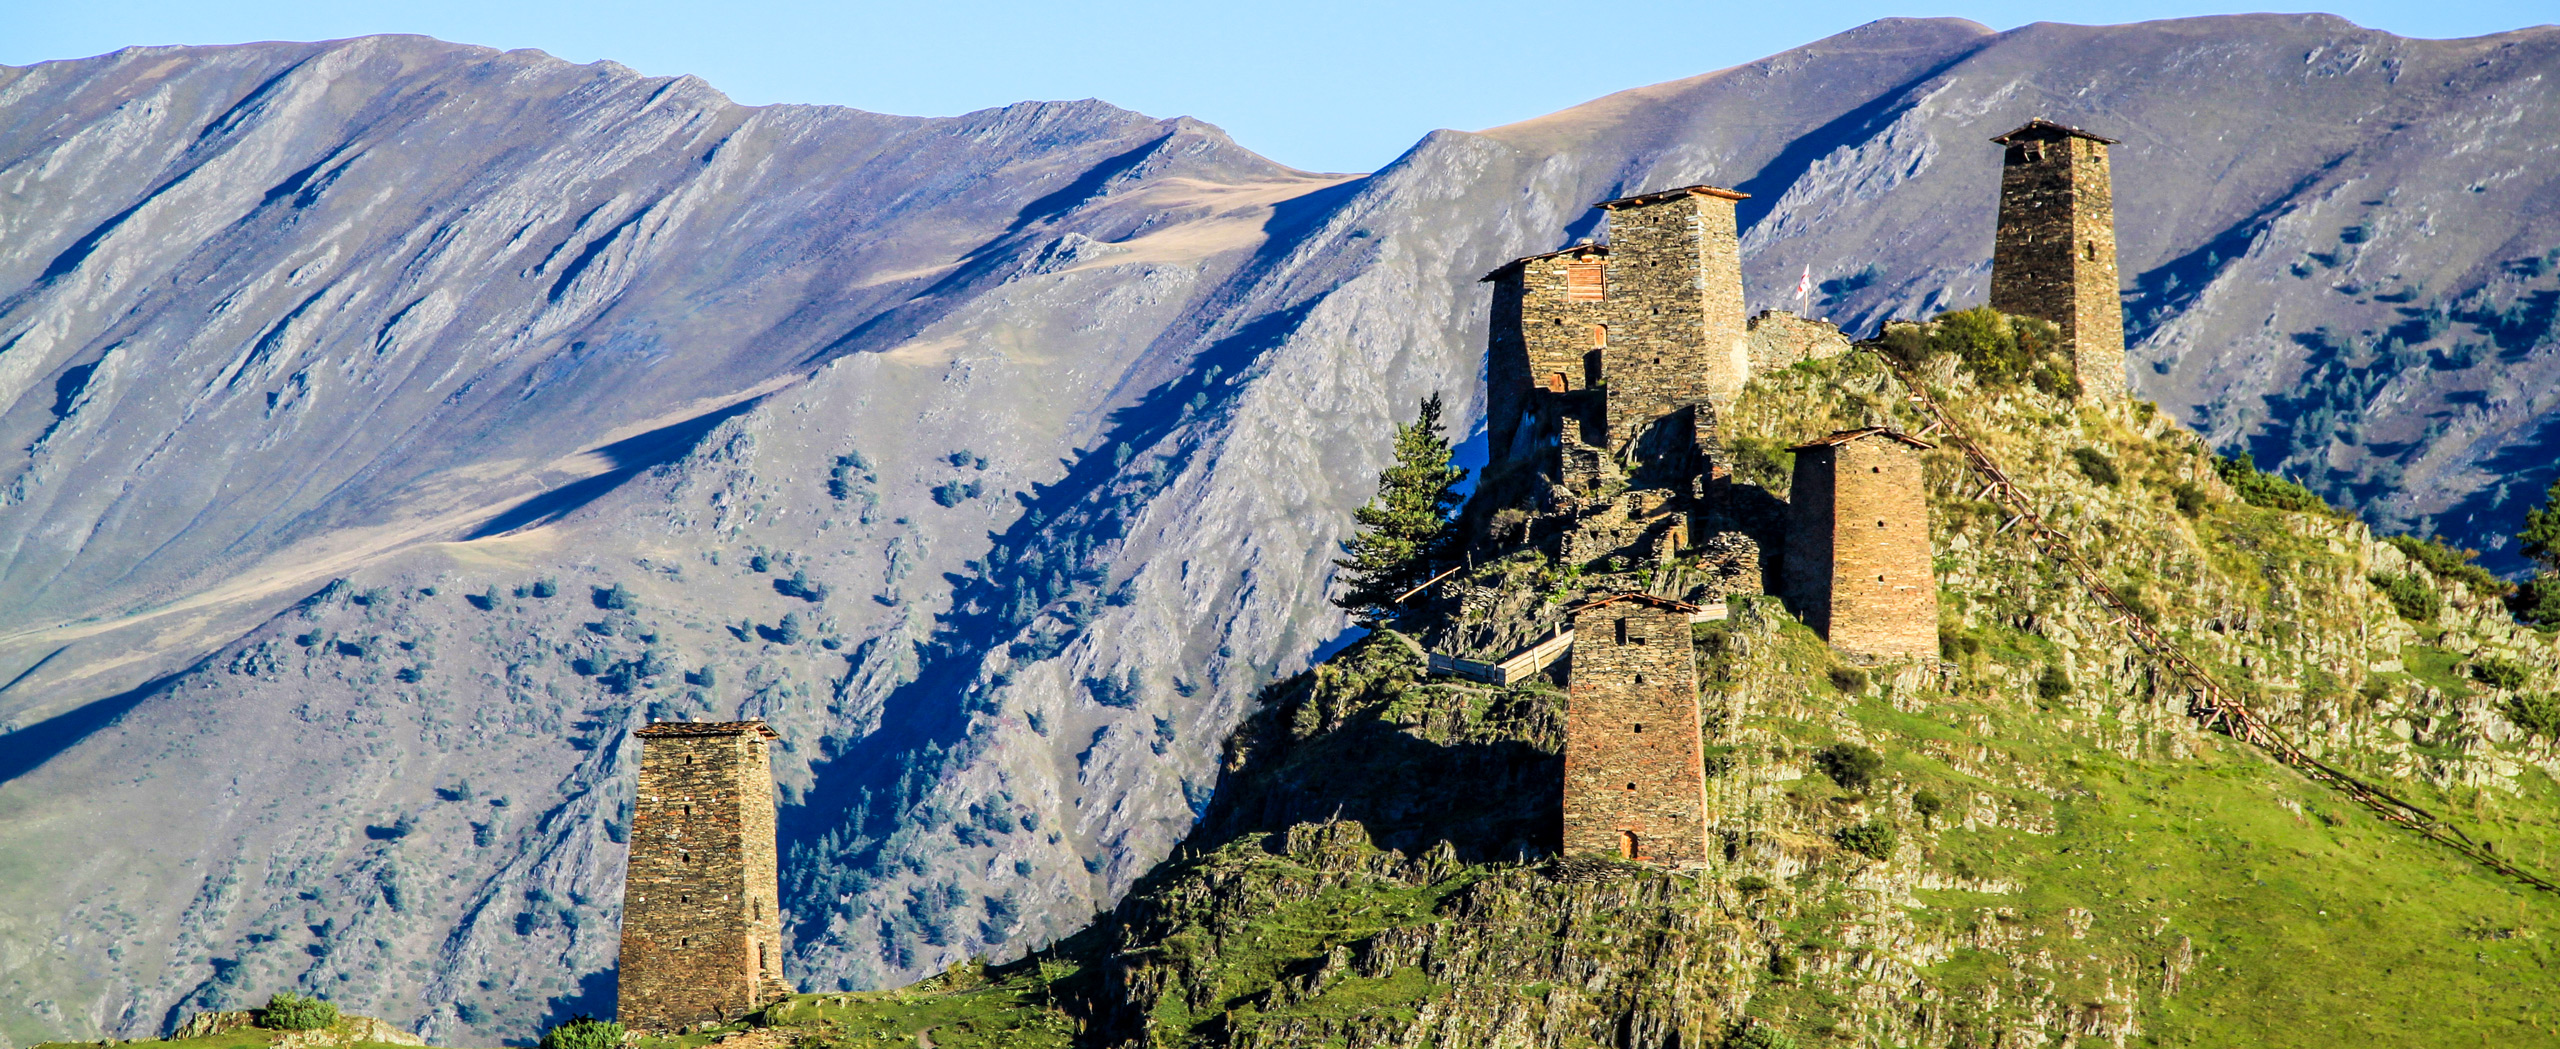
{"points": [[1601, 344], [2055, 256], [1859, 568], [1634, 758], [701, 914]]}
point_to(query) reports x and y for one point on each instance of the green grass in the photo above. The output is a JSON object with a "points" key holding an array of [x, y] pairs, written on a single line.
{"points": [[1009, 1008]]}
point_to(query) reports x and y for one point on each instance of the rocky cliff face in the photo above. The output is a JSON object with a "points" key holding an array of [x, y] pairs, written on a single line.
{"points": [[996, 459]]}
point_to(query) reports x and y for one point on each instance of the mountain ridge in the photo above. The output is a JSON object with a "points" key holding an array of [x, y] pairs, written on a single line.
{"points": [[1133, 543]]}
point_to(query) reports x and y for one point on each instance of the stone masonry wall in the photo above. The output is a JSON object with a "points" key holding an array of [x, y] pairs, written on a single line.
{"points": [[1634, 760], [1859, 565], [2055, 254], [1675, 327], [1542, 344], [701, 916], [1780, 339]]}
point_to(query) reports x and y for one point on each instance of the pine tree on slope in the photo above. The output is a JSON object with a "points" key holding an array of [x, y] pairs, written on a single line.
{"points": [[2538, 600], [1405, 533]]}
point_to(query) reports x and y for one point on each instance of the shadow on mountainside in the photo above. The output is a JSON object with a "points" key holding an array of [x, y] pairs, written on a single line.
{"points": [[1363, 738]]}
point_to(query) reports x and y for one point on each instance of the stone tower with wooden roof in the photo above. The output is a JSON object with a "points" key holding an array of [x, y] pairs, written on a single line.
{"points": [[2055, 254], [1605, 344], [1859, 567], [701, 899], [1634, 754]]}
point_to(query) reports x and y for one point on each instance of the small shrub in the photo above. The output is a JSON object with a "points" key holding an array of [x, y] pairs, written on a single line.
{"points": [[1764, 462], [789, 631], [2095, 465], [2190, 497], [759, 563], [1849, 680], [287, 1011], [613, 598], [1751, 884], [1747, 1034], [2450, 562], [2537, 713], [1870, 839], [1851, 766], [2500, 672], [1782, 964], [584, 1032], [2053, 684], [2537, 602], [1928, 805], [546, 588], [2268, 490], [2410, 596]]}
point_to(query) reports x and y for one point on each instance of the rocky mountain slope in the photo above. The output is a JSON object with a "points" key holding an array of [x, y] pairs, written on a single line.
{"points": [[995, 458]]}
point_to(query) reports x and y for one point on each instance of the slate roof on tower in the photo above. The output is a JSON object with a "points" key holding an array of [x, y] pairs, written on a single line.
{"points": [[2043, 125], [1845, 436], [1578, 249], [1673, 194]]}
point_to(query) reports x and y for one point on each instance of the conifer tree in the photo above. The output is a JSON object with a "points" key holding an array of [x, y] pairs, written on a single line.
{"points": [[1405, 535], [2538, 600]]}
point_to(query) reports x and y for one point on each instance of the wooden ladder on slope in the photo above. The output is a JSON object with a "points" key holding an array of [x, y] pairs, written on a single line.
{"points": [[2208, 701]]}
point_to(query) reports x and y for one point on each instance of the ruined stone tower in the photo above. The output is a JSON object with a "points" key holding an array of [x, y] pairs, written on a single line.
{"points": [[701, 914], [1859, 569], [1634, 758], [2055, 255]]}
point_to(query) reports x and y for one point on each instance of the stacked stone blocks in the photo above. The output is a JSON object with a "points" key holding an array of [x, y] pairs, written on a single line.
{"points": [[2055, 254], [1634, 757], [701, 909], [1859, 568]]}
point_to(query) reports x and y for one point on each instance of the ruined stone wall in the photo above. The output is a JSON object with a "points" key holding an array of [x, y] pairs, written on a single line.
{"points": [[1674, 317], [701, 915], [1859, 565], [2055, 254], [1779, 339], [1546, 334], [1634, 761]]}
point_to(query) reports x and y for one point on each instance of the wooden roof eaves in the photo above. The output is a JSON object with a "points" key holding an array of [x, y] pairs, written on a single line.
{"points": [[1841, 437], [2041, 124], [662, 729], [1673, 194], [1578, 249]]}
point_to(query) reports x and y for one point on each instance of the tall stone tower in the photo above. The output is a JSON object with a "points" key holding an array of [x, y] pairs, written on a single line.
{"points": [[1602, 344], [1635, 780], [1858, 566], [1676, 334], [2055, 256], [701, 900]]}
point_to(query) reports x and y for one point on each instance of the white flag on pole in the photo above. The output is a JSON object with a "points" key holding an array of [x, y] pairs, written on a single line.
{"points": [[1804, 287]]}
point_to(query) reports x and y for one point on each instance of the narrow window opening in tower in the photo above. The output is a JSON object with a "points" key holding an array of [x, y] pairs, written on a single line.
{"points": [[1639, 728], [1639, 680], [1591, 369], [1631, 786], [2089, 251], [1622, 630], [764, 958], [688, 759], [1627, 843], [1599, 335], [1555, 382]]}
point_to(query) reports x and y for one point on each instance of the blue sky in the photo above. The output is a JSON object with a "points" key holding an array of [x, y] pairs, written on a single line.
{"points": [[1321, 84]]}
